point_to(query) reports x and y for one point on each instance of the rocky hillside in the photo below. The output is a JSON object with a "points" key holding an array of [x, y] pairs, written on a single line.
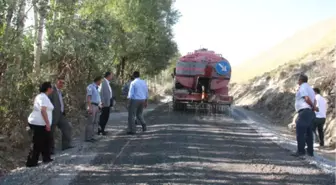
{"points": [[273, 92]]}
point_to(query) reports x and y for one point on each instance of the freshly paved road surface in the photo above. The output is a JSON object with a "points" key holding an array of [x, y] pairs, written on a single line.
{"points": [[185, 148]]}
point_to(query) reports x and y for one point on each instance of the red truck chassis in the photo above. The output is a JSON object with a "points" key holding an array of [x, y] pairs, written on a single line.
{"points": [[201, 80]]}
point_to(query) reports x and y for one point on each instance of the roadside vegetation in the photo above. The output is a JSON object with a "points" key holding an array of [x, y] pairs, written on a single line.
{"points": [[79, 40]]}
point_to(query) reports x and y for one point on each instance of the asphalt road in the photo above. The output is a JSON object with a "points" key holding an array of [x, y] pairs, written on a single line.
{"points": [[185, 148]]}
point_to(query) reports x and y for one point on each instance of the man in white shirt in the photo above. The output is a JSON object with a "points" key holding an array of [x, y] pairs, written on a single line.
{"points": [[304, 106], [40, 121], [321, 114], [137, 96]]}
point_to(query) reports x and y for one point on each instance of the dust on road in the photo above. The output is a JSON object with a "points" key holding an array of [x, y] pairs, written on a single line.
{"points": [[184, 148]]}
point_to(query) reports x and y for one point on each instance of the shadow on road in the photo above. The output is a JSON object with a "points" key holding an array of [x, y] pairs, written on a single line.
{"points": [[183, 148]]}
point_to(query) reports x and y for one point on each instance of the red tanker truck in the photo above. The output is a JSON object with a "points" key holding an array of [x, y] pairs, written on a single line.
{"points": [[201, 78]]}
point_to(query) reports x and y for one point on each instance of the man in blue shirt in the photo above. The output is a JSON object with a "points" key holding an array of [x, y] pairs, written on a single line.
{"points": [[137, 96], [125, 91], [305, 105], [93, 103]]}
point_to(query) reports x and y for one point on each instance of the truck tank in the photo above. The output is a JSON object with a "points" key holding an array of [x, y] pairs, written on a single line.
{"points": [[202, 78]]}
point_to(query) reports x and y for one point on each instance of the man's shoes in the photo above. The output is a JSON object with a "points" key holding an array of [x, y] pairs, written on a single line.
{"points": [[144, 128], [104, 133], [48, 160], [311, 154], [130, 133], [297, 154]]}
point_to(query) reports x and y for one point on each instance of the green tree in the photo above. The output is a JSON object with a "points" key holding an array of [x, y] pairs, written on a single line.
{"points": [[78, 39]]}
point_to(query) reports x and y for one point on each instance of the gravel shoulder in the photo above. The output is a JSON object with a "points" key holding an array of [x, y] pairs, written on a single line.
{"points": [[283, 134]]}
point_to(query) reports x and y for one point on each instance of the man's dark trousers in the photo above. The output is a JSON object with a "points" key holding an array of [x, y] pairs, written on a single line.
{"points": [[135, 109], [104, 117], [319, 123], [304, 131]]}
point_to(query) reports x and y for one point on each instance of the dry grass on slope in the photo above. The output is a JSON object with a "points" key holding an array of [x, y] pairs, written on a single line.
{"points": [[301, 44], [274, 91]]}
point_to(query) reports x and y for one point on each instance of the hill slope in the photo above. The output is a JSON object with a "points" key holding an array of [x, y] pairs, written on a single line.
{"points": [[301, 44], [273, 91]]}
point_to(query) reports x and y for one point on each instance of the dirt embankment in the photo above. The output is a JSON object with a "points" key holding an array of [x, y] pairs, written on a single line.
{"points": [[273, 93]]}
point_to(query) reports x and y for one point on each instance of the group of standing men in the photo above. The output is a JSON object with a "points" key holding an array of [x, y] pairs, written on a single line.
{"points": [[49, 112], [311, 108], [100, 99]]}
